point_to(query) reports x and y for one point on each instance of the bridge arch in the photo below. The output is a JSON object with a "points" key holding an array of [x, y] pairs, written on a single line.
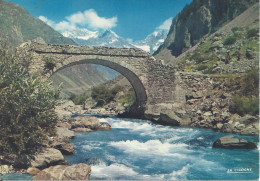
{"points": [[140, 92], [153, 82]]}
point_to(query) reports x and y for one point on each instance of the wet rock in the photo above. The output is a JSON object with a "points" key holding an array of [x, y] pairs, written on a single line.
{"points": [[169, 117], [86, 122], [66, 148], [82, 130], [47, 157], [95, 161], [104, 126], [33, 171], [63, 172], [233, 143]]}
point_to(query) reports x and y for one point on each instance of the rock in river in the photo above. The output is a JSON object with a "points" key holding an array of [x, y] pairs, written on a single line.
{"points": [[64, 172], [233, 143], [48, 157]]}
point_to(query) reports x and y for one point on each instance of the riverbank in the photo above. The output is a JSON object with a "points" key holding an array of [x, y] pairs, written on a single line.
{"points": [[48, 162]]}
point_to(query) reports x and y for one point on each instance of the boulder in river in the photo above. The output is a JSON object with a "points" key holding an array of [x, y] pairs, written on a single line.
{"points": [[233, 143], [64, 172], [48, 157], [86, 122]]}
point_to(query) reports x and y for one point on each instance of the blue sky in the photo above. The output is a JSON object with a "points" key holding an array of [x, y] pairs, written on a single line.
{"points": [[133, 19]]}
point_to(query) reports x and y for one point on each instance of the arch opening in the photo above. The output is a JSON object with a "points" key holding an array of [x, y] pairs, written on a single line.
{"points": [[137, 109]]}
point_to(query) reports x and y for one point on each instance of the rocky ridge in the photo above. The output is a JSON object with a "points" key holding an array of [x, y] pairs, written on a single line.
{"points": [[208, 16]]}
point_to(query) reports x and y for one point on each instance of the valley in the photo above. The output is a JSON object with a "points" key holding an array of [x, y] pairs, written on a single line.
{"points": [[79, 101]]}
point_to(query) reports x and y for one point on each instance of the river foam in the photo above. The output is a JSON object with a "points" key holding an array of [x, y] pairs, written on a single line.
{"points": [[141, 150]]}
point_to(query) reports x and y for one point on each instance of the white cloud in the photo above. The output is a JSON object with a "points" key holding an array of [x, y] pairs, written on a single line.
{"points": [[47, 21], [91, 19], [64, 26], [79, 20], [166, 24]]}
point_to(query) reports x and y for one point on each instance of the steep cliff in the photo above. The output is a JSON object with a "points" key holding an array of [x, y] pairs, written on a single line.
{"points": [[196, 20]]}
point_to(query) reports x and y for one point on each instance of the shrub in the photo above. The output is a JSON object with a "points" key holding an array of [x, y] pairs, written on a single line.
{"points": [[49, 64], [235, 29], [27, 113], [252, 32], [199, 57], [202, 67], [250, 83], [245, 105], [128, 98], [103, 95], [229, 40], [78, 100]]}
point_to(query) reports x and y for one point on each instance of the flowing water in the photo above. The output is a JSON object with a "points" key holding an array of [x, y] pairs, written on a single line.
{"points": [[138, 149]]}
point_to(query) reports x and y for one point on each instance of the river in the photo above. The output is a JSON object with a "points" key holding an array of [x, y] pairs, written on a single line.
{"points": [[139, 149]]}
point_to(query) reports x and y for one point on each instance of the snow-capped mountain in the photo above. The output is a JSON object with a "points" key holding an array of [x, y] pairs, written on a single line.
{"points": [[80, 33], [152, 42], [106, 38], [109, 38]]}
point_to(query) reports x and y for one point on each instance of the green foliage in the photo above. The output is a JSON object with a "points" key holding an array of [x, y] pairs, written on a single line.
{"points": [[27, 113], [49, 64], [250, 83], [209, 70], [128, 98], [199, 56], [103, 95], [78, 100], [202, 67], [230, 40], [252, 32], [245, 105], [235, 29]]}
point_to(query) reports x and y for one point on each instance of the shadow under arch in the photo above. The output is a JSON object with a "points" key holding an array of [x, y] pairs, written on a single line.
{"points": [[137, 109]]}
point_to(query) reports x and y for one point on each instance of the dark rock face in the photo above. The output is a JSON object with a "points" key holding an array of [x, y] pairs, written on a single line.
{"points": [[233, 143], [199, 18]]}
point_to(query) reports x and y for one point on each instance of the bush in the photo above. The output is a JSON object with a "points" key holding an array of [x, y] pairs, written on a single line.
{"points": [[27, 113], [78, 100], [199, 56], [128, 98], [202, 67], [252, 33], [229, 40], [245, 105], [49, 64], [103, 95], [250, 83]]}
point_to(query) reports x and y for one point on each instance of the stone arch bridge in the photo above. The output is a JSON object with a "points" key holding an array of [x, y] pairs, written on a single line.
{"points": [[151, 80]]}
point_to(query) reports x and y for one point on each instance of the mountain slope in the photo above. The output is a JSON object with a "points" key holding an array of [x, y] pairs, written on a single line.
{"points": [[196, 20], [19, 26]]}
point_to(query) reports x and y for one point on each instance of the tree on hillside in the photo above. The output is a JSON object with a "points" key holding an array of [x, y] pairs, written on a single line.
{"points": [[27, 113]]}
